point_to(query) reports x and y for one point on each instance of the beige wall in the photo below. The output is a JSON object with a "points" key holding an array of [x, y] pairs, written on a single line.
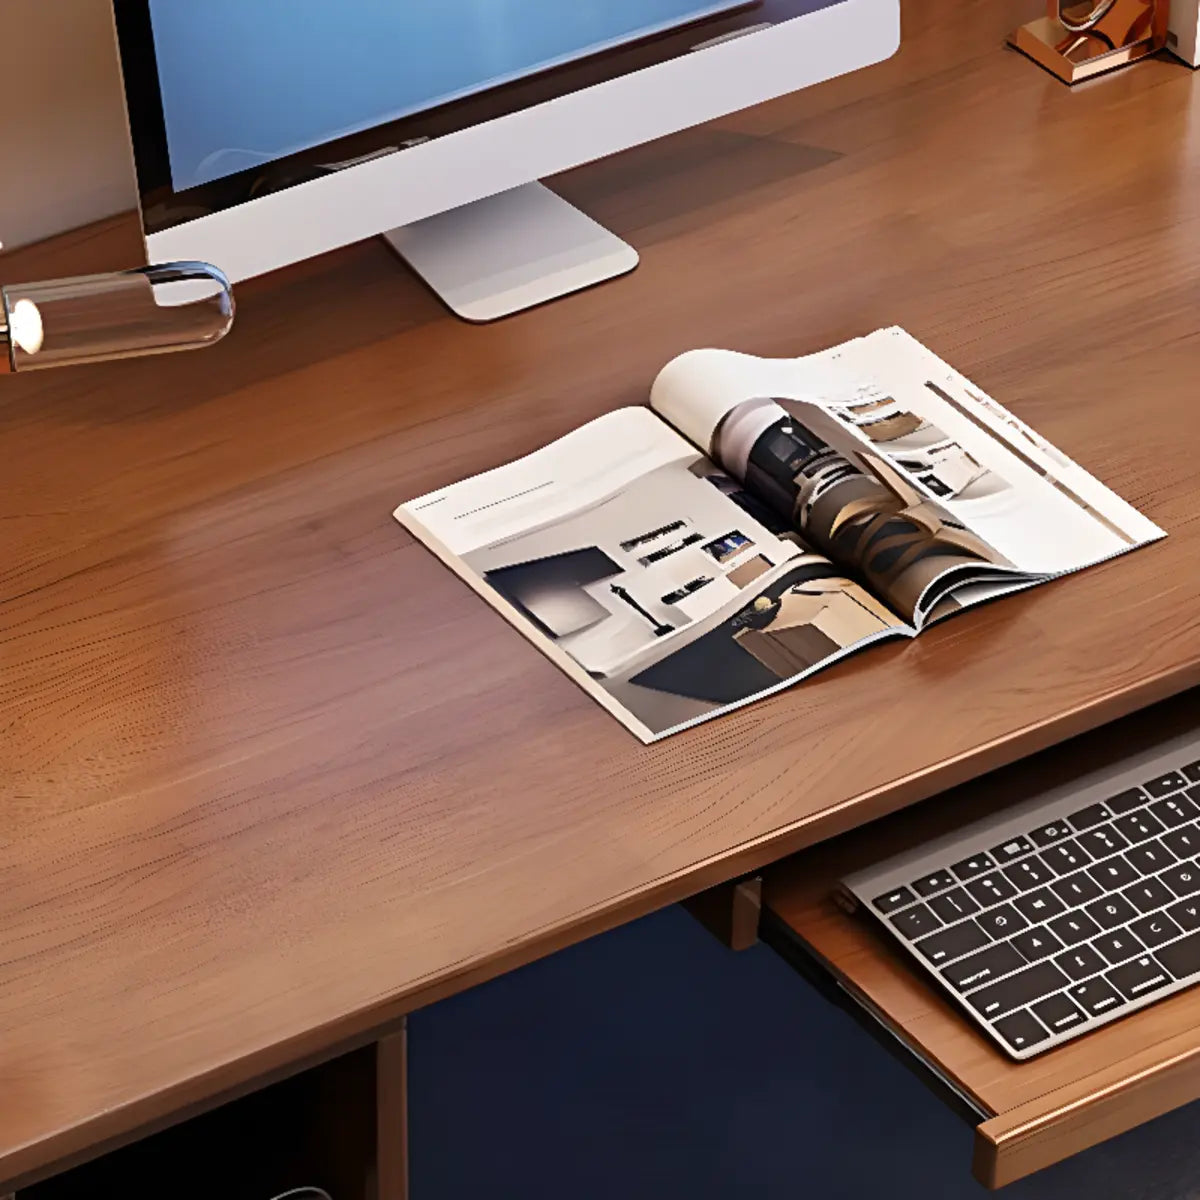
{"points": [[64, 150]]}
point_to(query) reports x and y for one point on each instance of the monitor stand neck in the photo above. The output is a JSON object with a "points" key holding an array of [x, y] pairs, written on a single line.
{"points": [[510, 251]]}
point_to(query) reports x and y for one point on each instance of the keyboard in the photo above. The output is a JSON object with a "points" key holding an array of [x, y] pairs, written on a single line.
{"points": [[1066, 912]]}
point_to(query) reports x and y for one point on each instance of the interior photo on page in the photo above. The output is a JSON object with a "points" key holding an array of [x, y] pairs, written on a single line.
{"points": [[764, 518], [646, 573], [901, 471]]}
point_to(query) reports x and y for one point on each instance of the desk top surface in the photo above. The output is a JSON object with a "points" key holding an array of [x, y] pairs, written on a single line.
{"points": [[272, 776]]}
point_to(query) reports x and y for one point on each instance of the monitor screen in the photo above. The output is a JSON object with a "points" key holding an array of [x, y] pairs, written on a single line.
{"points": [[230, 101], [246, 82]]}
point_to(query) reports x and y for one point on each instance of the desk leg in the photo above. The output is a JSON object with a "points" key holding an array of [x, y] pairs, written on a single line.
{"points": [[391, 1115]]}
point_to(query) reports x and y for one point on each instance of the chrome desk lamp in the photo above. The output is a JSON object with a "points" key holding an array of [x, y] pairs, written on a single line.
{"points": [[92, 318], [1080, 38]]}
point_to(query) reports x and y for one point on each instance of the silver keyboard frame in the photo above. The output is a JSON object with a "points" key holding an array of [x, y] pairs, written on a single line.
{"points": [[1053, 804]]}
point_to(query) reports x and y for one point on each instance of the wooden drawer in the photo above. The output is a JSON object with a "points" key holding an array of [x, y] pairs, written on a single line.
{"points": [[1027, 1115]]}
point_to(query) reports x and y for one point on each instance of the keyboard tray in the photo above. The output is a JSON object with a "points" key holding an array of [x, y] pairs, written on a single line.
{"points": [[1027, 1115]]}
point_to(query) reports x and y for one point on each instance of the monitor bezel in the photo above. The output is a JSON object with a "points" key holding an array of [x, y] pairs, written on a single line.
{"points": [[385, 193], [164, 207]]}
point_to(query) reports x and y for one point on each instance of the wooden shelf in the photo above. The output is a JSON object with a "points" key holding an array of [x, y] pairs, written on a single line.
{"points": [[1027, 1115], [340, 1126]]}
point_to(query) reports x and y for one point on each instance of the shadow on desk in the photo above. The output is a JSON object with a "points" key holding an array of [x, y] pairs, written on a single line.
{"points": [[652, 1063]]}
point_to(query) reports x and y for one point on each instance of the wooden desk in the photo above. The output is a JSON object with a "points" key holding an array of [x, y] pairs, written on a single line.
{"points": [[272, 777]]}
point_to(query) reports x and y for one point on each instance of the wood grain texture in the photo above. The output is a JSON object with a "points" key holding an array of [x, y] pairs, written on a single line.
{"points": [[391, 1116], [1084, 1112], [316, 1128], [272, 777], [1060, 1102]]}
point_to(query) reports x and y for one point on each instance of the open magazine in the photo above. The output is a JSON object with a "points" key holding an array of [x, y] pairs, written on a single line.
{"points": [[763, 519]]}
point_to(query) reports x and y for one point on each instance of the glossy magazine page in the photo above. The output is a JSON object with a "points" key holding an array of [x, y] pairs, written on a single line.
{"points": [[900, 470], [765, 518], [652, 578]]}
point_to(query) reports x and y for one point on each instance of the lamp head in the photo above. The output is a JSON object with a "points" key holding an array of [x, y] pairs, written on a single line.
{"points": [[127, 314], [24, 330]]}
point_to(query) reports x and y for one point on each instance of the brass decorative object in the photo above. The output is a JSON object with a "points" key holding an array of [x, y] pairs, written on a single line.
{"points": [[1081, 38]]}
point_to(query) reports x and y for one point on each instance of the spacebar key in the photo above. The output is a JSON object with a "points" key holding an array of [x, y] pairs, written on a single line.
{"points": [[1017, 990], [1181, 958]]}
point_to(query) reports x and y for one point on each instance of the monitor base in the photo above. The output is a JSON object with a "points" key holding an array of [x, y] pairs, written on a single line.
{"points": [[509, 252]]}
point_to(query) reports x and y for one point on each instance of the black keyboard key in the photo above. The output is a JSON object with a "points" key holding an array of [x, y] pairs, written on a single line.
{"points": [[1148, 895], [916, 922], [1096, 997], [1113, 874], [1080, 962], [1192, 771], [1118, 947], [1183, 880], [1172, 781], [890, 901], [1076, 889], [1186, 915], [1110, 911], [1086, 818], [1138, 978], [1002, 921], [953, 905], [1017, 991], [1102, 842], [1155, 929], [984, 967], [1074, 927], [953, 943], [1028, 874], [1174, 811], [939, 881], [1011, 850], [1020, 1030], [1183, 958], [1138, 826], [1036, 944], [1058, 1014], [1040, 905], [991, 889], [1150, 857], [1066, 857], [1047, 835], [1183, 843], [975, 865], [1128, 800]]}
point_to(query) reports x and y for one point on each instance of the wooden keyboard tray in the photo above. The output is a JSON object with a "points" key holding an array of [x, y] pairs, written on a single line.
{"points": [[1029, 1115]]}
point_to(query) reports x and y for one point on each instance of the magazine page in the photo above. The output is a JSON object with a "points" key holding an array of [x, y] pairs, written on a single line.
{"points": [[1041, 509], [969, 594], [898, 469], [647, 574]]}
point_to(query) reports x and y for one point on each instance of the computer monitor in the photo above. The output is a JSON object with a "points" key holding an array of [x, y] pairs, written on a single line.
{"points": [[269, 131]]}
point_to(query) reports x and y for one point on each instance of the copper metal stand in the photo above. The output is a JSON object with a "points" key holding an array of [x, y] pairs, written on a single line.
{"points": [[1077, 40]]}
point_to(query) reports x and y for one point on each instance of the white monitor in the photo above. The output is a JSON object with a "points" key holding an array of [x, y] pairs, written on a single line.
{"points": [[269, 131]]}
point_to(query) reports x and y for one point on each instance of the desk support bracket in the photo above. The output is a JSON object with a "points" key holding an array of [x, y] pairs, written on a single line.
{"points": [[730, 912]]}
